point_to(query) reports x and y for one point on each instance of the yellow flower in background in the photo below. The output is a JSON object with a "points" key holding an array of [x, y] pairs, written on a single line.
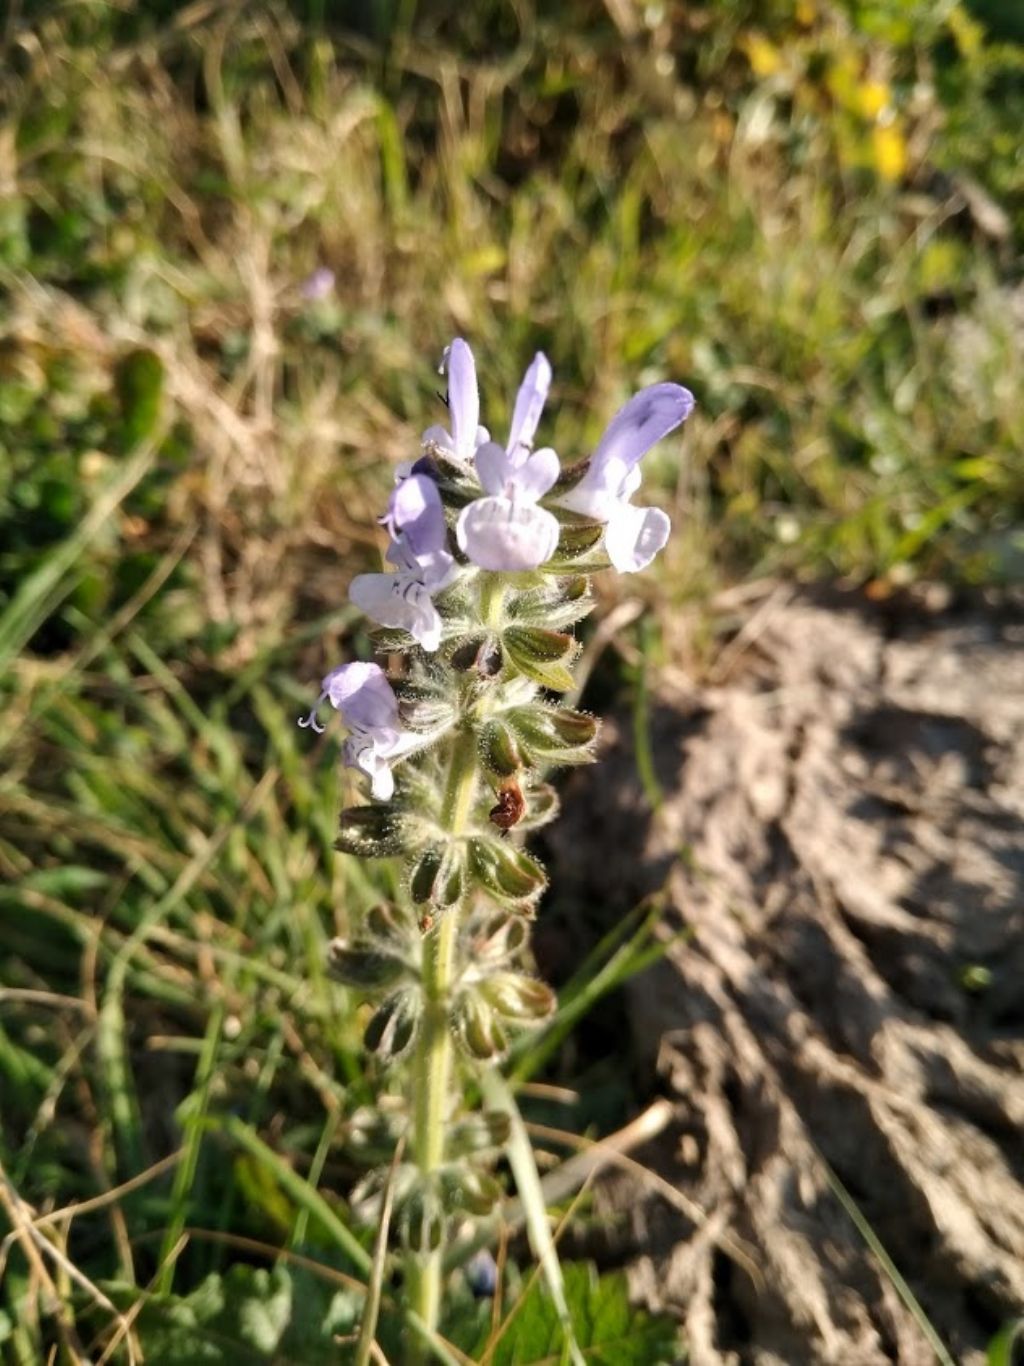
{"points": [[890, 150], [873, 98], [764, 56]]}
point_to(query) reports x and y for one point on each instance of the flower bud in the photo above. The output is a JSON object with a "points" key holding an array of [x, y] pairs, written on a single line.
{"points": [[505, 871], [394, 1026], [494, 939], [499, 749], [482, 653], [367, 1197], [371, 1134], [422, 1221], [422, 709], [469, 1188], [453, 877], [425, 875], [478, 1133], [372, 831], [517, 997], [439, 876], [541, 807], [542, 655], [391, 925], [481, 1272], [576, 538], [559, 603], [364, 966], [478, 1028], [555, 735]]}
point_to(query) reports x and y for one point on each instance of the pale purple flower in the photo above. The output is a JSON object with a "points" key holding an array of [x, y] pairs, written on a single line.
{"points": [[506, 530], [318, 285], [423, 564], [369, 709], [633, 535], [463, 405], [481, 1273]]}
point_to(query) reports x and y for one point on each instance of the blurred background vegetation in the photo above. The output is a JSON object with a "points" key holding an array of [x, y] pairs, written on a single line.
{"points": [[233, 241]]}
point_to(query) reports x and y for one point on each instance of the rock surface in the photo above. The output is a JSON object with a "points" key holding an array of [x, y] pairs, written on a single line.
{"points": [[842, 832]]}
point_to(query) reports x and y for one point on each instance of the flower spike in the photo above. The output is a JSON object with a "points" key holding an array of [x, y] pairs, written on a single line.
{"points": [[487, 640]]}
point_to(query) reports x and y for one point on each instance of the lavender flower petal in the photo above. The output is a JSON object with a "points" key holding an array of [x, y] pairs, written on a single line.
{"points": [[369, 708], [530, 402], [501, 534], [463, 398], [535, 475], [318, 285], [415, 509], [401, 602], [492, 468], [360, 753], [634, 536], [362, 693], [644, 420]]}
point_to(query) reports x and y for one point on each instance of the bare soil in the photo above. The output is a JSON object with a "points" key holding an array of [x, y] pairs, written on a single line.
{"points": [[842, 833]]}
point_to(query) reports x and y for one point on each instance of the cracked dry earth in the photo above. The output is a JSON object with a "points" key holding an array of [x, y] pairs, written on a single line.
{"points": [[843, 834]]}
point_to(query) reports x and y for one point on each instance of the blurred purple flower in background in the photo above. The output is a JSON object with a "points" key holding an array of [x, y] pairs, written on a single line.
{"points": [[481, 1272], [318, 285]]}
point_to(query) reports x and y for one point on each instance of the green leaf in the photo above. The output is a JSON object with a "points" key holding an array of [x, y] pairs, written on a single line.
{"points": [[248, 1317], [1001, 1348], [140, 387], [65, 881], [608, 1329]]}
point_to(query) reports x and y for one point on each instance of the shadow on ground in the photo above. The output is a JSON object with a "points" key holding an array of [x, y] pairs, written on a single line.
{"points": [[843, 832]]}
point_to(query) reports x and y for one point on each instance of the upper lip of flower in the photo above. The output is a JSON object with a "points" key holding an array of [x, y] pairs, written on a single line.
{"points": [[504, 529], [463, 406], [529, 405]]}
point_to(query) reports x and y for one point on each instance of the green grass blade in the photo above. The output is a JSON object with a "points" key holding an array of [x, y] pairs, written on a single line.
{"points": [[499, 1096], [888, 1265], [44, 589]]}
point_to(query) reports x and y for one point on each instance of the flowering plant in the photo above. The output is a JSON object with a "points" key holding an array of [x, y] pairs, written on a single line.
{"points": [[491, 548]]}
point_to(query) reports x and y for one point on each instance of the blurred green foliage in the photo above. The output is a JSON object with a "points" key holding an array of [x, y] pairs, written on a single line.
{"points": [[810, 213]]}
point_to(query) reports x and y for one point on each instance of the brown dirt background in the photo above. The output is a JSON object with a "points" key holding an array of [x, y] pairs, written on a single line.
{"points": [[843, 835]]}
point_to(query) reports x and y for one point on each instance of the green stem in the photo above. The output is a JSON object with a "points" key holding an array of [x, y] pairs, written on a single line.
{"points": [[434, 1057], [492, 598]]}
